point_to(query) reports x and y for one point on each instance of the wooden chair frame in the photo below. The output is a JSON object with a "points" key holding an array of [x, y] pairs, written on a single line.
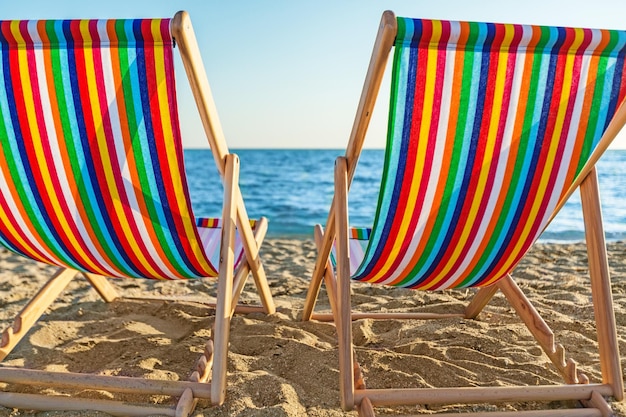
{"points": [[213, 362], [353, 391]]}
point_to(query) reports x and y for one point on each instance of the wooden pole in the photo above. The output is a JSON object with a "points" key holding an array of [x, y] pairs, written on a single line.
{"points": [[344, 320], [124, 384], [49, 403], [225, 280], [465, 395], [183, 34], [244, 270], [375, 72], [601, 285]]}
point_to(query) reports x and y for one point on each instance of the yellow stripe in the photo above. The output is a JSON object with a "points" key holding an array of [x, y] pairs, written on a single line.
{"points": [[28, 245], [554, 144], [107, 162], [34, 128], [168, 129], [487, 163], [422, 142]]}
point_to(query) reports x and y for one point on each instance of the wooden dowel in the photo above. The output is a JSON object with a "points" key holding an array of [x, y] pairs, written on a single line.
{"points": [[366, 409], [567, 412], [101, 382], [239, 308], [50, 403], [102, 286], [391, 316], [462, 395]]}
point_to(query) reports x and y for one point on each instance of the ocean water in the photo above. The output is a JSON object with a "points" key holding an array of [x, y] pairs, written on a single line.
{"points": [[294, 188]]}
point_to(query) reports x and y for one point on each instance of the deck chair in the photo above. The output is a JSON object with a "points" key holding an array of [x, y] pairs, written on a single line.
{"points": [[491, 128], [92, 180]]}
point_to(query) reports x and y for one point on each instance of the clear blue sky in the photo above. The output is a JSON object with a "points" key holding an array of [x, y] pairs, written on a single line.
{"points": [[289, 73]]}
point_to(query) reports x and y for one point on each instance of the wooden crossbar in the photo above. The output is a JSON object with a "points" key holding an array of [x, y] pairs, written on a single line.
{"points": [[416, 396], [102, 382], [50, 403], [391, 316], [566, 412]]}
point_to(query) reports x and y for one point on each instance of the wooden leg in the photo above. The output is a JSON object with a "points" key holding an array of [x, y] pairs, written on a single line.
{"points": [[187, 402], [323, 252], [344, 320], [601, 285], [316, 279], [329, 280], [225, 280], [241, 275], [480, 300], [541, 331], [102, 286], [34, 309], [251, 250]]}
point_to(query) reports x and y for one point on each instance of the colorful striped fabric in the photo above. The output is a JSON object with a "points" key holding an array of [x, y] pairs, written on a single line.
{"points": [[489, 126], [91, 162], [358, 242]]}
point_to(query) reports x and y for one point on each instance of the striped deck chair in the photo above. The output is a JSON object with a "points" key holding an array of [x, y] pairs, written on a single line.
{"points": [[92, 180], [491, 128]]}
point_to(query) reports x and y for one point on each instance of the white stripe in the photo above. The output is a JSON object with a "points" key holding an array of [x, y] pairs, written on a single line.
{"points": [[120, 153], [435, 175], [57, 163]]}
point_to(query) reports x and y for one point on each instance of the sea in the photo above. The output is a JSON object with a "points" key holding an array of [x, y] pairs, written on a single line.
{"points": [[293, 188]]}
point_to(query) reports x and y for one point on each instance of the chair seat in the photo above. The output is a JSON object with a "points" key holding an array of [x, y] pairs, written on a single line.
{"points": [[359, 239], [210, 231]]}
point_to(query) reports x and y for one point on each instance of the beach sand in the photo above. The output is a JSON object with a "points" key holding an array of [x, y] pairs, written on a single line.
{"points": [[280, 366]]}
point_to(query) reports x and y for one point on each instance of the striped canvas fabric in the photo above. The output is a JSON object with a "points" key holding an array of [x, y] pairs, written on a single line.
{"points": [[357, 244], [489, 126], [91, 162]]}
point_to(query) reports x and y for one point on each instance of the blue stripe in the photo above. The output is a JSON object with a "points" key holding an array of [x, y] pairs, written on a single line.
{"points": [[17, 149], [91, 182], [170, 232], [74, 136], [409, 81]]}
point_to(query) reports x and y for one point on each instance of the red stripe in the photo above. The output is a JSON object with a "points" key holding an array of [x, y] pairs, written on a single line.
{"points": [[479, 161], [502, 119], [96, 156], [418, 104], [430, 150], [163, 158], [28, 138], [115, 167]]}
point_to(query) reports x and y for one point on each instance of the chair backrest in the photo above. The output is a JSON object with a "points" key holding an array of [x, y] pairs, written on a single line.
{"points": [[490, 126], [91, 160]]}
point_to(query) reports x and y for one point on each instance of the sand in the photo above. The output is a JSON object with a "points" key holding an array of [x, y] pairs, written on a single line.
{"points": [[281, 366]]}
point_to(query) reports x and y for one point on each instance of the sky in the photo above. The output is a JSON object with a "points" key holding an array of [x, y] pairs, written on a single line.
{"points": [[289, 73]]}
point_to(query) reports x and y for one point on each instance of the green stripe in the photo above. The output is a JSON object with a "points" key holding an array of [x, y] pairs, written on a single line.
{"points": [[76, 159], [141, 155], [463, 119], [523, 154], [593, 119]]}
